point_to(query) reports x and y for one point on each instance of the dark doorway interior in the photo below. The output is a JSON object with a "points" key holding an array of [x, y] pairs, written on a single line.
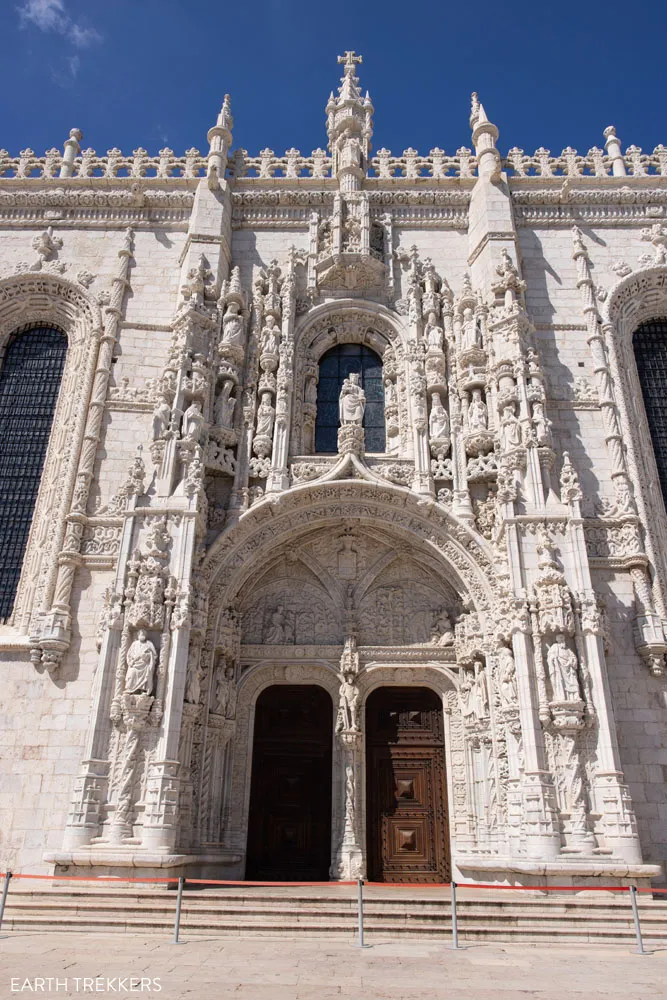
{"points": [[408, 839], [289, 826]]}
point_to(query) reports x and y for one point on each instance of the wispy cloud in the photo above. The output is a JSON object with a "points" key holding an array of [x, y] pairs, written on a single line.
{"points": [[53, 16]]}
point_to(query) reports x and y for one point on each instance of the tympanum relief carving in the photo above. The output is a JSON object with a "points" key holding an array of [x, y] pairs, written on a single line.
{"points": [[327, 587]]}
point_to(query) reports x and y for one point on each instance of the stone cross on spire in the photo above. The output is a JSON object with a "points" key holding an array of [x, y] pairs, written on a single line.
{"points": [[351, 59]]}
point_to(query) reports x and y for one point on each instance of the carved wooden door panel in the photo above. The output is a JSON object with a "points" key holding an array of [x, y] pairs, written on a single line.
{"points": [[408, 837], [289, 825]]}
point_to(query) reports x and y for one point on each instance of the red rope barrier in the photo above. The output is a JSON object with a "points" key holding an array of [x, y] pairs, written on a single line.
{"points": [[242, 882], [545, 888], [89, 878]]}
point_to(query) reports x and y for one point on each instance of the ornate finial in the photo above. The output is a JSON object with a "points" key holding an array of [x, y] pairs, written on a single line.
{"points": [[350, 59], [474, 110], [578, 241], [225, 119]]}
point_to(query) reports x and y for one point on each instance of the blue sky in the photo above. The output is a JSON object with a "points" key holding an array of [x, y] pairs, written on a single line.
{"points": [[153, 72]]}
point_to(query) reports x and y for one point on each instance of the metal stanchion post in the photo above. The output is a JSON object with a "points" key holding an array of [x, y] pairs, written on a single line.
{"points": [[5, 890], [179, 901], [455, 925], [635, 915], [360, 910]]}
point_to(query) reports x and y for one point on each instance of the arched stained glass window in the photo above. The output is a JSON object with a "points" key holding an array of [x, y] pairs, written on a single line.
{"points": [[30, 375], [335, 366], [650, 347]]}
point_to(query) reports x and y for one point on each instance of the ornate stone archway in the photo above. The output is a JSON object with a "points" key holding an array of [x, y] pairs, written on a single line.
{"points": [[301, 575]]}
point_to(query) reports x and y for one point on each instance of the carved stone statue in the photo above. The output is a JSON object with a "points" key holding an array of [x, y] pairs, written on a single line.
{"points": [[389, 392], [225, 692], [466, 696], [161, 419], [232, 326], [433, 333], [270, 336], [352, 401], [541, 423], [507, 675], [310, 394], [265, 416], [438, 421], [225, 405], [563, 671], [192, 421], [469, 331], [481, 691], [478, 416], [348, 704], [141, 660], [193, 680], [510, 429]]}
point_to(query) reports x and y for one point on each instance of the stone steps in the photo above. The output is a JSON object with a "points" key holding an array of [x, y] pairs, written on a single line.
{"points": [[387, 913]]}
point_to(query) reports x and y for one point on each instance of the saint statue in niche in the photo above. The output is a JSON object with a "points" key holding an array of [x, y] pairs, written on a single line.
{"points": [[141, 659], [265, 416], [224, 406], [438, 419], [270, 336], [352, 400], [563, 672], [232, 326], [507, 674]]}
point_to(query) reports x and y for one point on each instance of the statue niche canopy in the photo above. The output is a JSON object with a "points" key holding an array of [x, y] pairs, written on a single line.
{"points": [[337, 365]]}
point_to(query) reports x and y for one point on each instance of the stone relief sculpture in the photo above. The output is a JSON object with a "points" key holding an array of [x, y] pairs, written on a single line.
{"points": [[510, 429], [478, 418]]}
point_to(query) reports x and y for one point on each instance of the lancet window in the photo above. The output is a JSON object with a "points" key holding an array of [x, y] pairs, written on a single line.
{"points": [[650, 347], [30, 375], [335, 366]]}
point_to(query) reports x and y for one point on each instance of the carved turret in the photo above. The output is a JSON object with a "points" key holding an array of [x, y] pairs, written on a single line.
{"points": [[220, 140]]}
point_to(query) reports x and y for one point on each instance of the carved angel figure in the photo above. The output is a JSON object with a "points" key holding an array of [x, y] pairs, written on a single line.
{"points": [[232, 326], [563, 671], [352, 400], [141, 659], [438, 421], [265, 416], [348, 705], [270, 336]]}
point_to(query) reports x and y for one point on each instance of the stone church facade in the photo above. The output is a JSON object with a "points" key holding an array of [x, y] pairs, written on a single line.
{"points": [[333, 540]]}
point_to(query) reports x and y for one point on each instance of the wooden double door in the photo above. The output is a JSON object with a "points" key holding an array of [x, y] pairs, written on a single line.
{"points": [[289, 825], [406, 790]]}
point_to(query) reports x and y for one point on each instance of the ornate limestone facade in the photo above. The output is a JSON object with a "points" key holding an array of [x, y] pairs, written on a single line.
{"points": [[348, 551]]}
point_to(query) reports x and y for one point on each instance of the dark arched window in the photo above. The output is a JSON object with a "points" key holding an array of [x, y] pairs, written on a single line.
{"points": [[335, 366], [650, 346], [30, 375]]}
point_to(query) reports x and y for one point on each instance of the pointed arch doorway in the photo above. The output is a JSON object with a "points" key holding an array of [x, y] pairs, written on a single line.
{"points": [[289, 824], [406, 788]]}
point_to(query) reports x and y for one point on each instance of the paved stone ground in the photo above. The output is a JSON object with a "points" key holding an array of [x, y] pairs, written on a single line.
{"points": [[288, 969]]}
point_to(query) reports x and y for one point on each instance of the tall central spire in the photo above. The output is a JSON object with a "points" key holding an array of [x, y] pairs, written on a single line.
{"points": [[349, 126]]}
